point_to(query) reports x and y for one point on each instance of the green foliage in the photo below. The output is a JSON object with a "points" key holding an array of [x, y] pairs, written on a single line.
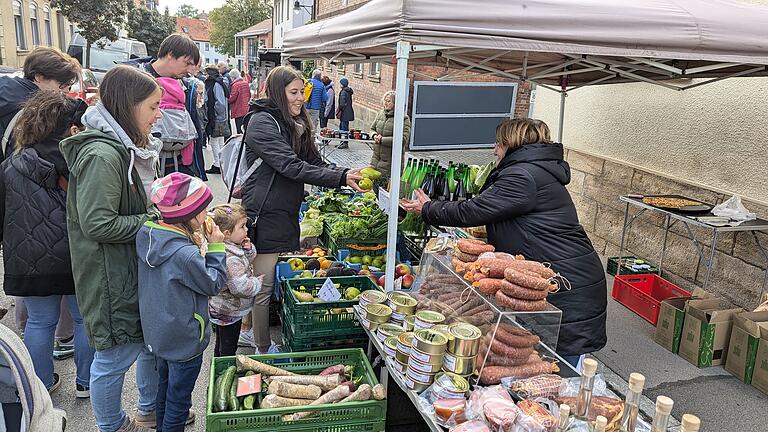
{"points": [[236, 16], [187, 10], [150, 27], [94, 18]]}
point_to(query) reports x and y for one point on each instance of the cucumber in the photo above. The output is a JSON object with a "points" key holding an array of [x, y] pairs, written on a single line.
{"points": [[232, 401], [226, 385], [216, 387]]}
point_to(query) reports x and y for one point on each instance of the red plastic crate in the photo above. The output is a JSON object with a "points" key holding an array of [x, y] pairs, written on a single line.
{"points": [[643, 294]]}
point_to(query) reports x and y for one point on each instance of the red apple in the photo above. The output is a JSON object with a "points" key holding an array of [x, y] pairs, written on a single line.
{"points": [[382, 280], [408, 280], [402, 270], [374, 279]]}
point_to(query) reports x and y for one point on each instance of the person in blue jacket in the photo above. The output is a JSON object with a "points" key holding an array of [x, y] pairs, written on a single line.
{"points": [[317, 99]]}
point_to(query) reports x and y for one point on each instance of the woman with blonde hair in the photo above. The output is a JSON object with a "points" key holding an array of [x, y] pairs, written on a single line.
{"points": [[383, 128], [527, 210]]}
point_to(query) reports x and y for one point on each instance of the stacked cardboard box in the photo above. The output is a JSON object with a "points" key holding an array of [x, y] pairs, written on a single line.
{"points": [[671, 317], [706, 332]]}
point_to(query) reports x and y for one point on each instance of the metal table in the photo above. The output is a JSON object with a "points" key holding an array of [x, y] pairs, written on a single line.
{"points": [[672, 218], [327, 144]]}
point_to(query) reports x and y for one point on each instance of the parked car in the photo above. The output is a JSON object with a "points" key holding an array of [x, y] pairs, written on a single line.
{"points": [[86, 88], [106, 54]]}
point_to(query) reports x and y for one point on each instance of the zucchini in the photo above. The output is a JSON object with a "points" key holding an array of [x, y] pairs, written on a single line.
{"points": [[216, 387], [232, 401], [248, 402], [226, 385]]}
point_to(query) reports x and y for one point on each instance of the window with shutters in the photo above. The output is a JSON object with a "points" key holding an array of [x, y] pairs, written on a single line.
{"points": [[34, 23], [18, 23]]}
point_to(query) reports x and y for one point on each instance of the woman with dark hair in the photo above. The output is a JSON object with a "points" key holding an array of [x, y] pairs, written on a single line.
{"points": [[33, 193], [106, 205], [279, 135], [527, 210]]}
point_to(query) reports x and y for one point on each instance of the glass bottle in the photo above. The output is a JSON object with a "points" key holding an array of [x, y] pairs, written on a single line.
{"points": [[415, 183], [451, 180], [405, 180], [631, 403], [663, 411], [562, 423], [584, 398], [468, 189], [460, 194], [690, 423], [600, 424]]}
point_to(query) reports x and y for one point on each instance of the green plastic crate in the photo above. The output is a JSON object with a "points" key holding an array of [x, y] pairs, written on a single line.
{"points": [[313, 317], [613, 263], [339, 417], [303, 342]]}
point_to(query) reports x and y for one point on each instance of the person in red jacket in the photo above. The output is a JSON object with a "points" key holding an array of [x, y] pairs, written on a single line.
{"points": [[238, 99]]}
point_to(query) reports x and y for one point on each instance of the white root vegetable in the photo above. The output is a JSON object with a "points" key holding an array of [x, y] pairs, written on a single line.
{"points": [[248, 364], [326, 382], [275, 401], [332, 396], [295, 391], [363, 393], [379, 392]]}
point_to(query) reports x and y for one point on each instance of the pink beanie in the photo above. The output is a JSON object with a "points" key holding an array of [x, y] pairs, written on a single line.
{"points": [[180, 197]]}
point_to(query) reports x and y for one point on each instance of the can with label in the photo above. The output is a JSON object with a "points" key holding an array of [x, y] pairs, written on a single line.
{"points": [[430, 341], [408, 323], [416, 385], [451, 386], [427, 318], [459, 365], [390, 346], [372, 296], [419, 376], [377, 313], [402, 303], [433, 359], [424, 367], [464, 340]]}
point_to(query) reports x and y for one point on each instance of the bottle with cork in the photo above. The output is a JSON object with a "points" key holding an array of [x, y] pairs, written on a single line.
{"points": [[690, 423], [562, 424], [632, 402], [584, 398], [600, 424], [663, 412]]}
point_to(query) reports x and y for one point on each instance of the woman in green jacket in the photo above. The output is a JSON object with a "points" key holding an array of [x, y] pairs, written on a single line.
{"points": [[383, 128], [106, 205]]}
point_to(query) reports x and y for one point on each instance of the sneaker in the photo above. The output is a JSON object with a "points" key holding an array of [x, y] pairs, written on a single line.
{"points": [[273, 349], [56, 383], [131, 426], [246, 339], [82, 392], [213, 170], [150, 420], [64, 349]]}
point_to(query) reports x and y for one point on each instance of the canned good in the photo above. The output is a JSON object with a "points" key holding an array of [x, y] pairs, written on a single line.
{"points": [[443, 328], [372, 297], [465, 339], [419, 376], [402, 303], [388, 329], [402, 357], [416, 385], [427, 318], [435, 359], [401, 367], [450, 385], [429, 341], [424, 367], [408, 323], [404, 341], [458, 364], [390, 346], [367, 324], [397, 316], [377, 313]]}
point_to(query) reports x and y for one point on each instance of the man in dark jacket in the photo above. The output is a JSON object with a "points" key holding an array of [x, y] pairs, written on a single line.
{"points": [[527, 210], [44, 68], [345, 112]]}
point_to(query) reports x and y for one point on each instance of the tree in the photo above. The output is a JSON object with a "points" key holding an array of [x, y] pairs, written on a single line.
{"points": [[186, 10], [96, 19], [236, 16], [150, 27]]}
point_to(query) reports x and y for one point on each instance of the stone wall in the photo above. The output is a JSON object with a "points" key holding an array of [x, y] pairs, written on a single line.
{"points": [[595, 187]]}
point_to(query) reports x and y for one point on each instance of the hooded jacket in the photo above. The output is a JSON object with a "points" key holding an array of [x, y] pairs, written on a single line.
{"points": [[216, 105], [106, 206], [145, 160], [527, 210], [34, 226], [273, 194], [384, 125], [175, 282], [236, 298], [346, 110], [14, 91], [330, 104], [318, 98], [239, 98]]}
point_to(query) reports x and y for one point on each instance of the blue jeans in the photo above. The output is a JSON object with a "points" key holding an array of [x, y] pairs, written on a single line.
{"points": [[343, 126], [174, 393], [39, 332], [107, 376]]}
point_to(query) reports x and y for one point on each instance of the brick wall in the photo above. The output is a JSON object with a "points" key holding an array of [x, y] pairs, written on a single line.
{"points": [[329, 8], [595, 187]]}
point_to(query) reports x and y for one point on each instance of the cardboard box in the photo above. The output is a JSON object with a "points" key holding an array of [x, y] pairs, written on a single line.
{"points": [[760, 374], [671, 317], [706, 332], [742, 349]]}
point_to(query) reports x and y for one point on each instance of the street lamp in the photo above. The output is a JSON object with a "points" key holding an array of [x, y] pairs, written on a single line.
{"points": [[297, 7]]}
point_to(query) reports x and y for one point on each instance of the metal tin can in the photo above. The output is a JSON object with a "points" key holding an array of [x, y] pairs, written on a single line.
{"points": [[429, 341], [401, 367], [419, 376], [408, 322], [402, 303], [402, 357], [459, 365], [398, 317], [377, 313], [372, 297], [450, 385], [465, 339], [443, 328], [388, 329], [404, 341], [426, 319], [424, 367], [367, 324], [435, 359], [415, 385], [390, 346]]}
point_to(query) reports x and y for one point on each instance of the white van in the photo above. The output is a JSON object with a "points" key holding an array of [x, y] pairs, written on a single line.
{"points": [[104, 58]]}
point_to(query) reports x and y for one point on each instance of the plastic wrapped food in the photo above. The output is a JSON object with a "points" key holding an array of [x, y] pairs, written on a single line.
{"points": [[471, 426], [501, 414], [539, 414], [450, 411], [547, 385]]}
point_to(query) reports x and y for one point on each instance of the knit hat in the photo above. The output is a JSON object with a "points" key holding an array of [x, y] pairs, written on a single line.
{"points": [[344, 81], [180, 197]]}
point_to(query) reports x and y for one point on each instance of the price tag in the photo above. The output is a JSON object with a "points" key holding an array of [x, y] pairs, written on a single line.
{"points": [[399, 283], [328, 291], [383, 200], [248, 385]]}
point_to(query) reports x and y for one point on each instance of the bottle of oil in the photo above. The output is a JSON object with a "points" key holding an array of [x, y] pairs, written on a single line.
{"points": [[584, 398], [631, 404]]}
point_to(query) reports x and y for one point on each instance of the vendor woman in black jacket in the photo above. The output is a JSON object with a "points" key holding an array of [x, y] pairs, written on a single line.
{"points": [[279, 134], [527, 210]]}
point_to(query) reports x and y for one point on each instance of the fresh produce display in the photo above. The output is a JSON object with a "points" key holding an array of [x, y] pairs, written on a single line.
{"points": [[311, 224], [369, 176]]}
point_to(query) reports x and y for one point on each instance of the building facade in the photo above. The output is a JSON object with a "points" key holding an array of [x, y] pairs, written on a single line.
{"points": [[286, 17], [249, 41], [199, 30], [25, 25]]}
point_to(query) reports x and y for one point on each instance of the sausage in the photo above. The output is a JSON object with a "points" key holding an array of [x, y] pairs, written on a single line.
{"points": [[480, 319], [474, 247], [519, 305], [488, 286], [465, 257], [500, 348], [516, 291], [494, 267], [516, 340], [535, 267], [514, 329], [494, 359], [527, 279], [493, 374], [469, 304]]}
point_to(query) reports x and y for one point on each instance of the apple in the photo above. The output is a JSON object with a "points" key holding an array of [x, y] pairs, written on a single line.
{"points": [[382, 280], [408, 280], [374, 279], [402, 270]]}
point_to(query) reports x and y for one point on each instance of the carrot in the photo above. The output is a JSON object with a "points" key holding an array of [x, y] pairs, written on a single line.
{"points": [[326, 383], [519, 305], [332, 396], [295, 391], [248, 364], [493, 374], [275, 401]]}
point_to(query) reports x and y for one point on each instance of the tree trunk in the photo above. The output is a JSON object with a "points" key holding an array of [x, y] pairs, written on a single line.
{"points": [[87, 54]]}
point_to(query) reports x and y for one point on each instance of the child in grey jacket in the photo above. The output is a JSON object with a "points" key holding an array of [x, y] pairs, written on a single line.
{"points": [[235, 300], [181, 264]]}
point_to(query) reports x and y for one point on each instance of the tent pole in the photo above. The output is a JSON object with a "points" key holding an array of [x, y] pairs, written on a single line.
{"points": [[403, 52], [562, 117]]}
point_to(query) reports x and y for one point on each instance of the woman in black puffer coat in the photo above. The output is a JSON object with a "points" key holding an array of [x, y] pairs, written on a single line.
{"points": [[527, 210]]}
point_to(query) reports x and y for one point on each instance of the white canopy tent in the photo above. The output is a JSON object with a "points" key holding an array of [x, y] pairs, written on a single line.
{"points": [[561, 45]]}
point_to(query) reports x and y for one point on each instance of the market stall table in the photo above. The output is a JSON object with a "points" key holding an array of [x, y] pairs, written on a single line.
{"points": [[327, 147], [671, 218]]}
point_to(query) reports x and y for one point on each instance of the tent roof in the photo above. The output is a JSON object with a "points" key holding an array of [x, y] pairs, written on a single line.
{"points": [[589, 41]]}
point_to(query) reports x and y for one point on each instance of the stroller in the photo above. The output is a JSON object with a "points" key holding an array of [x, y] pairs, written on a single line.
{"points": [[25, 405]]}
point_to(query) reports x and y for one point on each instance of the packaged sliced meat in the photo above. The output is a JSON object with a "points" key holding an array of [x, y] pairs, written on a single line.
{"points": [[471, 426], [538, 413], [450, 411], [547, 385], [500, 414]]}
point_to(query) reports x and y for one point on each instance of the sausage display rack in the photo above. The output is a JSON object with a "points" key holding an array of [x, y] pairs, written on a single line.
{"points": [[545, 324]]}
